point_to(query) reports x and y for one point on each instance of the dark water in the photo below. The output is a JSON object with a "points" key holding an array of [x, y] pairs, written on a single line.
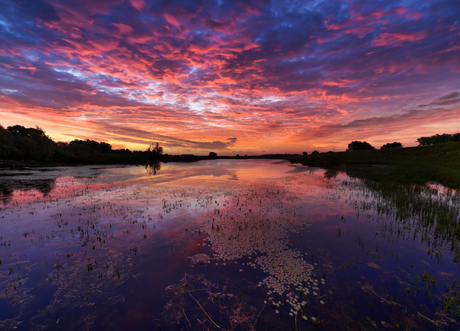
{"points": [[231, 245]]}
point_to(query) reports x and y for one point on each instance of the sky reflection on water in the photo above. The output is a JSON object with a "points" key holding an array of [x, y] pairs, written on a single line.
{"points": [[242, 244]]}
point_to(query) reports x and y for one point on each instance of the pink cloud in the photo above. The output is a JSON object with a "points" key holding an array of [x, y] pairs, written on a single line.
{"points": [[171, 19], [396, 38], [138, 4], [123, 28]]}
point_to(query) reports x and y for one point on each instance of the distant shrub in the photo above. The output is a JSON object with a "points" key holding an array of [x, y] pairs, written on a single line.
{"points": [[359, 146], [304, 153], [212, 154], [392, 145]]}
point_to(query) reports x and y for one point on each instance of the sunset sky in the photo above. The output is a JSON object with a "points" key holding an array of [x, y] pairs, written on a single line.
{"points": [[246, 77]]}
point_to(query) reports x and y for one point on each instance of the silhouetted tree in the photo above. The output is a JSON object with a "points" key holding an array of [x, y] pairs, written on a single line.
{"points": [[105, 147], [392, 145], [304, 153], [32, 144], [315, 152], [62, 145], [154, 151], [36, 134], [359, 146], [7, 147], [212, 154]]}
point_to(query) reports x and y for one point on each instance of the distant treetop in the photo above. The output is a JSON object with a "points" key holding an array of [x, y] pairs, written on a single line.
{"points": [[392, 145], [359, 146]]}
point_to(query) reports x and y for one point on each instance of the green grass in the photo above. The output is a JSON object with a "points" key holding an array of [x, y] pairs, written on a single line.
{"points": [[412, 165]]}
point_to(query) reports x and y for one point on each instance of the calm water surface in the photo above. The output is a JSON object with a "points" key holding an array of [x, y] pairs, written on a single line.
{"points": [[221, 244]]}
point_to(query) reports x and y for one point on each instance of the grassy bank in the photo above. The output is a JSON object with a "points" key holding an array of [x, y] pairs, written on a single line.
{"points": [[398, 177], [412, 165]]}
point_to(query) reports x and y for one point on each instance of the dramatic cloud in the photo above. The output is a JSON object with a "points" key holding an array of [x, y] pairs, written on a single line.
{"points": [[279, 76]]}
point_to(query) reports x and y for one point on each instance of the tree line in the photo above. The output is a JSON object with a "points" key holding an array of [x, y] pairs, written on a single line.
{"points": [[422, 141], [32, 144], [438, 139], [363, 145]]}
